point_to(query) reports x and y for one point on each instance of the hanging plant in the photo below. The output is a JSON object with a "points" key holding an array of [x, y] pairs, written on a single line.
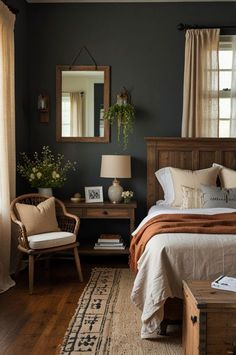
{"points": [[123, 113]]}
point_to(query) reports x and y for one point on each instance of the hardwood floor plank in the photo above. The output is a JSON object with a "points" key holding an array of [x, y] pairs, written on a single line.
{"points": [[36, 324]]}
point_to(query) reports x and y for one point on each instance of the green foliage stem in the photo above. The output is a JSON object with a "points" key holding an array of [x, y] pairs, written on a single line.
{"points": [[45, 169], [124, 115]]}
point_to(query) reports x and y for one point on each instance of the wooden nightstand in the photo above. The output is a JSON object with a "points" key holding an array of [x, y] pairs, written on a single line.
{"points": [[103, 210]]}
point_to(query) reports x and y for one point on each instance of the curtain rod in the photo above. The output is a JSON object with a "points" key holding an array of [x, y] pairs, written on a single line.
{"points": [[12, 9], [184, 27]]}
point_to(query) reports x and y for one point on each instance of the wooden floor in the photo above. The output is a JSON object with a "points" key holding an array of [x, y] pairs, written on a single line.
{"points": [[36, 324]]}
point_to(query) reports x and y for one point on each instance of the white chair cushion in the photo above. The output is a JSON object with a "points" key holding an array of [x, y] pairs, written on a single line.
{"points": [[51, 240]]}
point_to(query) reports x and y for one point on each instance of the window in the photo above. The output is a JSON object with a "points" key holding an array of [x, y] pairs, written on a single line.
{"points": [[66, 115], [225, 77]]}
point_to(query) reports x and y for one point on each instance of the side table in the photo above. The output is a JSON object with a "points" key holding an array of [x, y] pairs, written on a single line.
{"points": [[103, 210]]}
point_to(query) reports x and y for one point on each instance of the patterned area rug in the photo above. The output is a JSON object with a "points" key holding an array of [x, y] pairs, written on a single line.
{"points": [[106, 322]]}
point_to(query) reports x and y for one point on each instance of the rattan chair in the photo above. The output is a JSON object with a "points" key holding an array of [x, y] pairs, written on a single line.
{"points": [[66, 222]]}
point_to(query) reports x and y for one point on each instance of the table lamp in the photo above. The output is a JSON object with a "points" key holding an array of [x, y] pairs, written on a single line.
{"points": [[115, 166]]}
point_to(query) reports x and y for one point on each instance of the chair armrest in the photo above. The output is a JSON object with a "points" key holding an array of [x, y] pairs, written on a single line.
{"points": [[68, 222], [21, 233]]}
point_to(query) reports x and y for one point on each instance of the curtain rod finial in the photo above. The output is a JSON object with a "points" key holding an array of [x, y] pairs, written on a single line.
{"points": [[181, 27]]}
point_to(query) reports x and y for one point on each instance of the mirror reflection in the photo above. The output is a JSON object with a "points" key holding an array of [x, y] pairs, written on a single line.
{"points": [[82, 97]]}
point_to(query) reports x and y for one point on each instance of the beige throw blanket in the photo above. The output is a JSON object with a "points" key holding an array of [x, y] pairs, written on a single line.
{"points": [[224, 223]]}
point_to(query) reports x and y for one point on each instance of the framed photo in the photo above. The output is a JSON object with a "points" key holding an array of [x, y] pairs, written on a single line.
{"points": [[93, 194]]}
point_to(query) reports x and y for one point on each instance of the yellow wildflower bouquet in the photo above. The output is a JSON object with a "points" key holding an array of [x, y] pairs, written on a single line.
{"points": [[45, 169]]}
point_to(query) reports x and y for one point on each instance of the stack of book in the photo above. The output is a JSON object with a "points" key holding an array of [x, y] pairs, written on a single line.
{"points": [[109, 241]]}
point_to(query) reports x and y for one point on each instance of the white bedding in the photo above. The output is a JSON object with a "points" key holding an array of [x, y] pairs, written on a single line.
{"points": [[170, 258]]}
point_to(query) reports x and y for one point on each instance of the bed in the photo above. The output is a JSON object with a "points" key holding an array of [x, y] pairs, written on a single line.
{"points": [[169, 258]]}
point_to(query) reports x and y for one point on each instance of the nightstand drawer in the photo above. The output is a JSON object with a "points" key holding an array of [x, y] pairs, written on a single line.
{"points": [[106, 213], [77, 211]]}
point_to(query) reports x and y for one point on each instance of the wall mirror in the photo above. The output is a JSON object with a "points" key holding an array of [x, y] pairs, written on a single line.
{"points": [[82, 96]]}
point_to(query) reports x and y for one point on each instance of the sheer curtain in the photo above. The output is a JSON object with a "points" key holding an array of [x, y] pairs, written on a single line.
{"points": [[7, 140], [201, 84], [233, 91], [77, 117]]}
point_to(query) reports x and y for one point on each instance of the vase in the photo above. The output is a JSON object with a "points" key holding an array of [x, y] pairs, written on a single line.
{"points": [[115, 191], [127, 200], [46, 191]]}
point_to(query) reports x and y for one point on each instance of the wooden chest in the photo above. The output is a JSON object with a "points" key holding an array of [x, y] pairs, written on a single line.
{"points": [[209, 320]]}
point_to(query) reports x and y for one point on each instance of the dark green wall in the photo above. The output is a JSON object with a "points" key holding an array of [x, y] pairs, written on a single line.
{"points": [[145, 50]]}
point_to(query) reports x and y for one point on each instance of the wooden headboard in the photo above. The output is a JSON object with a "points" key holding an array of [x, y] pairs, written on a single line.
{"points": [[185, 153]]}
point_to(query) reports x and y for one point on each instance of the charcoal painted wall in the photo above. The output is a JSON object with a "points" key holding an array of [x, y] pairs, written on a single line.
{"points": [[145, 50], [21, 81]]}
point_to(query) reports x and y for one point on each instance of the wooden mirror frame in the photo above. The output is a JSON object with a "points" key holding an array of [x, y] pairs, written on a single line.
{"points": [[59, 69]]}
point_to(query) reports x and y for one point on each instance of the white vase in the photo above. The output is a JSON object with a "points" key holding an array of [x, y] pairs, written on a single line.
{"points": [[115, 191], [46, 191]]}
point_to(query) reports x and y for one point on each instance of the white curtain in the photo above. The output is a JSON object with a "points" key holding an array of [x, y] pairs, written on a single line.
{"points": [[201, 84], [77, 123], [7, 140], [233, 91]]}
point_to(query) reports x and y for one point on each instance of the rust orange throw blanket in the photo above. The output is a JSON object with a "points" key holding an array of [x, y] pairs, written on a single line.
{"points": [[224, 223]]}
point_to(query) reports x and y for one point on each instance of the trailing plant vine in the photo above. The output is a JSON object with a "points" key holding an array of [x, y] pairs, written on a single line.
{"points": [[124, 114]]}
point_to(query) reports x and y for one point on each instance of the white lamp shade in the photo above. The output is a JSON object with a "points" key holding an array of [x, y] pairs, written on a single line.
{"points": [[116, 166]]}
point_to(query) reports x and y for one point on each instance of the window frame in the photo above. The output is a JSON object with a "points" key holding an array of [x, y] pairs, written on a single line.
{"points": [[225, 43]]}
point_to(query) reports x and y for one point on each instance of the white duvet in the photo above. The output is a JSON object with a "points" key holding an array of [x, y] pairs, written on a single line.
{"points": [[170, 258]]}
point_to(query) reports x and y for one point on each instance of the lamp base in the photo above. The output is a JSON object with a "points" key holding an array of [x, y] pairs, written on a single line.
{"points": [[115, 191]]}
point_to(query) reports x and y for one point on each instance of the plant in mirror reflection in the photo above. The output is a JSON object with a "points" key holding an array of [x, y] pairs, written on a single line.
{"points": [[45, 169]]}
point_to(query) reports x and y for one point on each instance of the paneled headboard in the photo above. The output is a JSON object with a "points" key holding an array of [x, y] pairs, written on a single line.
{"points": [[185, 153]]}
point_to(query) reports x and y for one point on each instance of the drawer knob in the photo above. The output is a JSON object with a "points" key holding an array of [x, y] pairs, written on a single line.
{"points": [[105, 212], [194, 319]]}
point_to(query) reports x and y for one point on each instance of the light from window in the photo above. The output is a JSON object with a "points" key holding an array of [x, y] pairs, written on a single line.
{"points": [[65, 115], [225, 108], [225, 77]]}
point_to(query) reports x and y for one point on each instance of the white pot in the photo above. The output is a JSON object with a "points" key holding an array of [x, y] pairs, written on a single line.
{"points": [[46, 191]]}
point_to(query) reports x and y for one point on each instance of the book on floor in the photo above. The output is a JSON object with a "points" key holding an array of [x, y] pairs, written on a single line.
{"points": [[225, 283]]}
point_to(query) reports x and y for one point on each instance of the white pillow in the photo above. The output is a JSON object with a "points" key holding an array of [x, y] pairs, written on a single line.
{"points": [[227, 176], [165, 179], [213, 197], [172, 180]]}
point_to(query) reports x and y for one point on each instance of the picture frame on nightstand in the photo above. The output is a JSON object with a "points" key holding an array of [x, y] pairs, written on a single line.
{"points": [[93, 194]]}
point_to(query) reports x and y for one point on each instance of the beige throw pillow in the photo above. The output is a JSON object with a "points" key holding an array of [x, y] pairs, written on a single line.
{"points": [[38, 219], [227, 177], [191, 197], [192, 179]]}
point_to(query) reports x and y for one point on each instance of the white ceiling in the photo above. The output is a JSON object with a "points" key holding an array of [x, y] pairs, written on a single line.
{"points": [[121, 1]]}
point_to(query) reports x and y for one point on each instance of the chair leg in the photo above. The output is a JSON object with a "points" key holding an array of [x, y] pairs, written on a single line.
{"points": [[77, 262], [18, 265], [31, 273]]}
